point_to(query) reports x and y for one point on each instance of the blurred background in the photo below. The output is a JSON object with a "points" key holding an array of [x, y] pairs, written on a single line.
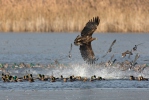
{"points": [[72, 15]]}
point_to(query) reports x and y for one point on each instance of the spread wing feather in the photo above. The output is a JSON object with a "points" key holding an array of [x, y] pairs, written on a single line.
{"points": [[87, 53], [90, 27], [113, 43]]}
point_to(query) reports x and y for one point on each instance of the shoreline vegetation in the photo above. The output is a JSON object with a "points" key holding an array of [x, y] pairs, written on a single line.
{"points": [[72, 15]]}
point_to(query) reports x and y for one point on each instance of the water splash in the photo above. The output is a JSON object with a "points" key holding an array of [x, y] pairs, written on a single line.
{"points": [[84, 70]]}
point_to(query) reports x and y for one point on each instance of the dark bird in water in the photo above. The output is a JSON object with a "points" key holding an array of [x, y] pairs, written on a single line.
{"points": [[135, 47], [86, 33], [87, 53], [127, 52], [70, 51], [110, 49]]}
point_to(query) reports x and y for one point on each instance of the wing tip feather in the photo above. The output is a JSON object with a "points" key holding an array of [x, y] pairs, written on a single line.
{"points": [[95, 20]]}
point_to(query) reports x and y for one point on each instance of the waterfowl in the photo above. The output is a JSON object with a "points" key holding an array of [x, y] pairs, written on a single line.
{"points": [[127, 52], [110, 62], [141, 78], [99, 78], [21, 65], [110, 48], [70, 51], [114, 61], [78, 78], [15, 79], [132, 78], [30, 75], [31, 80], [9, 78], [65, 79], [20, 79], [25, 77], [31, 65], [53, 79], [86, 33], [135, 47], [93, 78], [136, 57], [72, 78], [5, 78], [61, 76], [39, 76], [85, 79], [15, 65], [43, 78]]}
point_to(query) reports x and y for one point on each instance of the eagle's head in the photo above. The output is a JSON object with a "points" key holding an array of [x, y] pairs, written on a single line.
{"points": [[78, 41]]}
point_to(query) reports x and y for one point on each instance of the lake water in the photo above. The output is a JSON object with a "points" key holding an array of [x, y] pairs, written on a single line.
{"points": [[43, 49]]}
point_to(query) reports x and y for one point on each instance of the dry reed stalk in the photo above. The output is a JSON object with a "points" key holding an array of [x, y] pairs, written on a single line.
{"points": [[72, 15]]}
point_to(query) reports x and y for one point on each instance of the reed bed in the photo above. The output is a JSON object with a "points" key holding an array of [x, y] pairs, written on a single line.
{"points": [[72, 15]]}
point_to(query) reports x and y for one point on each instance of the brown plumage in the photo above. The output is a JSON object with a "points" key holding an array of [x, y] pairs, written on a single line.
{"points": [[127, 52], [85, 40], [87, 53], [88, 30]]}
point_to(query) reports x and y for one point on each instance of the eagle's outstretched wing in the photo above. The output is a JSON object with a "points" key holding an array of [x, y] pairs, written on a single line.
{"points": [[90, 27], [87, 53]]}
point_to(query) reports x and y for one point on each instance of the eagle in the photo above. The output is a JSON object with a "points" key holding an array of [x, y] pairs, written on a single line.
{"points": [[84, 41], [86, 33]]}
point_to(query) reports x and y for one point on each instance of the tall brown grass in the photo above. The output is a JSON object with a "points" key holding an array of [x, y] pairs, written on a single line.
{"points": [[72, 15]]}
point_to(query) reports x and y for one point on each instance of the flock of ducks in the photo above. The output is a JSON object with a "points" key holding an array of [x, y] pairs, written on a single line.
{"points": [[41, 77], [84, 41], [140, 78]]}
